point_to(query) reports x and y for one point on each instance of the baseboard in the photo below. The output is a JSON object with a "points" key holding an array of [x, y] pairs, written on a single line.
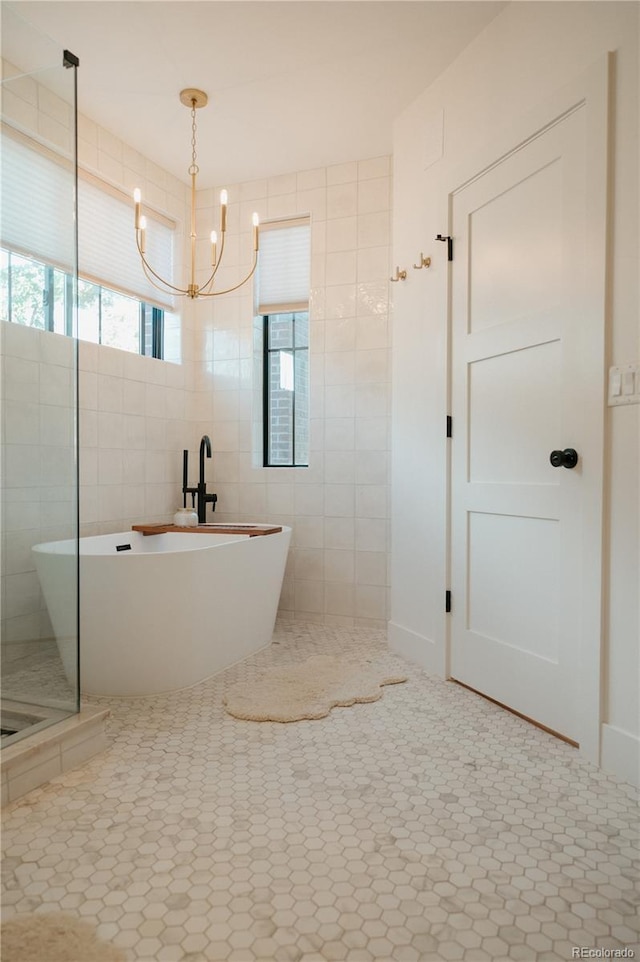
{"points": [[416, 648], [621, 754]]}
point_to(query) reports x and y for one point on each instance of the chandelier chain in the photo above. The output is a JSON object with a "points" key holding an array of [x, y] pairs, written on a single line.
{"points": [[194, 169]]}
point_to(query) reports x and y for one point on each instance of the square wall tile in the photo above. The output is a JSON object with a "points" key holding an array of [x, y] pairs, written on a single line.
{"points": [[339, 500], [339, 565], [342, 173], [342, 234], [308, 532], [371, 467], [342, 200], [339, 468], [374, 167], [340, 334], [372, 434], [309, 596], [310, 179], [20, 379], [339, 533], [339, 599], [339, 434], [309, 499], [371, 568], [370, 602], [371, 501], [308, 564]]}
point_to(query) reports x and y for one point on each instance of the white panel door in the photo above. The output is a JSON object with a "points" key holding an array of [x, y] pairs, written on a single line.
{"points": [[517, 341]]}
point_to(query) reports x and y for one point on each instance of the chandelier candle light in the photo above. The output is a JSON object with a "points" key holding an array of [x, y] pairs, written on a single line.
{"points": [[194, 99]]}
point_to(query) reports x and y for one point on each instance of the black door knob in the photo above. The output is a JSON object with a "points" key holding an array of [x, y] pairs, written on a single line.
{"points": [[564, 459]]}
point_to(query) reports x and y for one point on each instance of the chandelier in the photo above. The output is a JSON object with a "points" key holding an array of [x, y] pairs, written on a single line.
{"points": [[195, 99]]}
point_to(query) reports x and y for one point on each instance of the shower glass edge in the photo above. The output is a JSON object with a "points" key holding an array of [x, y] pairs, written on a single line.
{"points": [[39, 402]]}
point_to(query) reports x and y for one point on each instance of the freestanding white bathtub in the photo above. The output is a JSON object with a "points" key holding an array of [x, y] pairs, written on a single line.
{"points": [[166, 613]]}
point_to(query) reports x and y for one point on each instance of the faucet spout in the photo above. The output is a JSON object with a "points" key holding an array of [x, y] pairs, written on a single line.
{"points": [[205, 444], [203, 497]]}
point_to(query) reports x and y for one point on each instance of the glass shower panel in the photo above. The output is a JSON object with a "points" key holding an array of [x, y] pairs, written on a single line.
{"points": [[39, 616]]}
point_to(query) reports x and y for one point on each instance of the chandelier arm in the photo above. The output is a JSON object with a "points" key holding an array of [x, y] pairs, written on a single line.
{"points": [[167, 289], [236, 286], [158, 287], [147, 267], [203, 289]]}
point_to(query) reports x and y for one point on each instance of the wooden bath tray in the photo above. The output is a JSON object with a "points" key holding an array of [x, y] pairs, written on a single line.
{"points": [[253, 532]]}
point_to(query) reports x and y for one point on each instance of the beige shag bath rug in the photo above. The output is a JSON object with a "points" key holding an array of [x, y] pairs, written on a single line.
{"points": [[54, 938], [307, 690]]}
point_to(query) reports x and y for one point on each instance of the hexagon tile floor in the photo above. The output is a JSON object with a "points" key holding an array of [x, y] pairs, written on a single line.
{"points": [[429, 825]]}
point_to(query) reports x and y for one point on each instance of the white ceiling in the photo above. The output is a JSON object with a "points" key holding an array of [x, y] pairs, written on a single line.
{"points": [[292, 84]]}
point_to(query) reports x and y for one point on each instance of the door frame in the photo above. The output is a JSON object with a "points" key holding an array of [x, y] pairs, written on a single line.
{"points": [[591, 89]]}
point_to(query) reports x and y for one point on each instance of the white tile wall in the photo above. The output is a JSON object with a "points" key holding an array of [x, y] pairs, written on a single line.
{"points": [[338, 507], [134, 426], [38, 468]]}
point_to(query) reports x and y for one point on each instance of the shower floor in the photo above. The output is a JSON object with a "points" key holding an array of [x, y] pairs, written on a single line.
{"points": [[13, 722], [35, 693], [17, 721], [36, 678]]}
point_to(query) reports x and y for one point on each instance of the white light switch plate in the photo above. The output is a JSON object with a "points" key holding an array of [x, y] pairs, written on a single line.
{"points": [[624, 385]]}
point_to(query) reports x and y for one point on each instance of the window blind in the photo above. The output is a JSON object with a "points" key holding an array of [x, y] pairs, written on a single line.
{"points": [[107, 246], [284, 267], [37, 203]]}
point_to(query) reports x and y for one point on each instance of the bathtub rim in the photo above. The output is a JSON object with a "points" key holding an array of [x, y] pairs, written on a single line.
{"points": [[198, 542]]}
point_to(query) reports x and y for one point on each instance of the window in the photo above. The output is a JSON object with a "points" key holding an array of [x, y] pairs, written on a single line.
{"points": [[283, 302], [38, 295], [286, 389], [118, 306]]}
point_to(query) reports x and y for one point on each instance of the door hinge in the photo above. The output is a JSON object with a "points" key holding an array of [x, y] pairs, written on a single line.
{"points": [[449, 241], [447, 601], [449, 426]]}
